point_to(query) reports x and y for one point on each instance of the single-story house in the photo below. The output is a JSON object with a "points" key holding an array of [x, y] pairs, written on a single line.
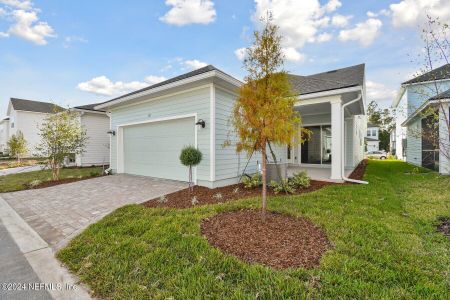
{"points": [[150, 126], [96, 124], [26, 116], [427, 141], [372, 138], [4, 135]]}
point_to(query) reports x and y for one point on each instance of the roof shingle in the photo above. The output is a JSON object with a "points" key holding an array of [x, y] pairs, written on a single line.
{"points": [[443, 72], [34, 106]]}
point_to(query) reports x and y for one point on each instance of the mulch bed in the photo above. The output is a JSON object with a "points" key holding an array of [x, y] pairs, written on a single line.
{"points": [[281, 241], [444, 226], [204, 195], [359, 171], [46, 184]]}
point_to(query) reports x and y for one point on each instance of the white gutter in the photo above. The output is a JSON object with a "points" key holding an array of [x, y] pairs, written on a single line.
{"points": [[329, 93], [343, 143]]}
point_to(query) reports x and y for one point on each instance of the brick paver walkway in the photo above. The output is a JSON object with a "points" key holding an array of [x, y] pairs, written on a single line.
{"points": [[57, 213]]}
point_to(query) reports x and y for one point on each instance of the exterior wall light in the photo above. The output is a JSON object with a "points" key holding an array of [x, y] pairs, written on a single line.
{"points": [[111, 132], [201, 122]]}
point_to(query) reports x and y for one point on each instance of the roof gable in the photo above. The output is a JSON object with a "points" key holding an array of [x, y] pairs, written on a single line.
{"points": [[443, 72], [89, 107], [34, 106]]}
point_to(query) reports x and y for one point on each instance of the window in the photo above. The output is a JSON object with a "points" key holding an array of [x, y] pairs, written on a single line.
{"points": [[317, 150], [368, 132]]}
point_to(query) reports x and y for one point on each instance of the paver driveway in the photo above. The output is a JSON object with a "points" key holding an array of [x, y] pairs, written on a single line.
{"points": [[57, 213]]}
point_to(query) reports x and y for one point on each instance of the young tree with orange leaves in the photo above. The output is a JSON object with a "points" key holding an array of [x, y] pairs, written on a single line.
{"points": [[264, 111]]}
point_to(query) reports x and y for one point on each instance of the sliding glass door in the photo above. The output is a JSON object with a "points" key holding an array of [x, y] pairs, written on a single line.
{"points": [[317, 149]]}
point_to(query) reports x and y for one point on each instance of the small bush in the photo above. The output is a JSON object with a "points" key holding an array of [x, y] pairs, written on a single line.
{"points": [[300, 180], [162, 199], [252, 182], [34, 183], [278, 187], [236, 191], [218, 196], [194, 201]]}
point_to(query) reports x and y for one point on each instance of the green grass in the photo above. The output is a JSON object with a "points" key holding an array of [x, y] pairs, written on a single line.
{"points": [[19, 181], [385, 246]]}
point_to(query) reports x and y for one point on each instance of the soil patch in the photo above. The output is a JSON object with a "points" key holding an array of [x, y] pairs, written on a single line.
{"points": [[204, 195], [281, 241], [359, 171], [444, 226], [46, 184]]}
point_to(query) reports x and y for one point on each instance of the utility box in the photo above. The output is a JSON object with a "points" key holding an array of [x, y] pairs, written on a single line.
{"points": [[272, 173]]}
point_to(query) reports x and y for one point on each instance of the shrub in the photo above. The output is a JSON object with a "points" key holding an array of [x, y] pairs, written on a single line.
{"points": [[162, 199], [278, 187], [252, 181], [34, 183], [300, 180], [190, 156], [218, 196], [194, 201]]}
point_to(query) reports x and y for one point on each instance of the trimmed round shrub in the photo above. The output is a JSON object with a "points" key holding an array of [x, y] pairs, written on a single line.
{"points": [[190, 156]]}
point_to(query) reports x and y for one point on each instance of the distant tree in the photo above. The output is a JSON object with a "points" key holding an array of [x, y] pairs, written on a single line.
{"points": [[264, 111], [190, 156], [61, 136], [17, 145]]}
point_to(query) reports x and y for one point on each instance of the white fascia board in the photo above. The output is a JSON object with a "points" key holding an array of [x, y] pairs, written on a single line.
{"points": [[195, 78], [398, 97], [330, 93], [88, 111]]}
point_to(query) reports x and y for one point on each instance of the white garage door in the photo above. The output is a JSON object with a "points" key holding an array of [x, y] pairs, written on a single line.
{"points": [[153, 149]]}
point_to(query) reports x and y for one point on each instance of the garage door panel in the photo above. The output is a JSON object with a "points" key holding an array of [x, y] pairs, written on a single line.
{"points": [[153, 149]]}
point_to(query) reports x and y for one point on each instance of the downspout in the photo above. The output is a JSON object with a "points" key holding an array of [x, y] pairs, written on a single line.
{"points": [[343, 142]]}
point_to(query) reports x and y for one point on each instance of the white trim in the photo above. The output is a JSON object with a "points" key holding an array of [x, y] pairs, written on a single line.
{"points": [[206, 75], [119, 150], [421, 108], [330, 93], [424, 82], [204, 86], [110, 139], [212, 135], [87, 111]]}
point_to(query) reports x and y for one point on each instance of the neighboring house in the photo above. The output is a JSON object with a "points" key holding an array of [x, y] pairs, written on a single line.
{"points": [[372, 138], [428, 91], [26, 116], [96, 124], [150, 126], [398, 134], [4, 135]]}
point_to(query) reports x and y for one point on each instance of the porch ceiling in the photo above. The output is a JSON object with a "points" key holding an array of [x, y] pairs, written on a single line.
{"points": [[325, 107]]}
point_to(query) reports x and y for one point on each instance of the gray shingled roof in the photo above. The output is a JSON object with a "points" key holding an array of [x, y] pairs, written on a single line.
{"points": [[327, 81], [174, 79], [443, 72], [34, 106], [89, 107], [441, 96]]}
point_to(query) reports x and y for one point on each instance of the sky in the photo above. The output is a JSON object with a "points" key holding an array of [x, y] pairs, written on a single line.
{"points": [[81, 52]]}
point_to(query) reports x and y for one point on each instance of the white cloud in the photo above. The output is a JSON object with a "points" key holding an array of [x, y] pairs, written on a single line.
{"points": [[240, 53], [20, 4], [379, 92], [324, 37], [154, 79], [414, 12], [28, 27], [332, 5], [291, 54], [4, 34], [102, 85], [340, 20], [365, 33], [300, 22], [185, 12], [69, 40], [194, 64]]}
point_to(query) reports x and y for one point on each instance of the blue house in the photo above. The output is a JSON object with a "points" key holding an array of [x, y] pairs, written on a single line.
{"points": [[427, 137]]}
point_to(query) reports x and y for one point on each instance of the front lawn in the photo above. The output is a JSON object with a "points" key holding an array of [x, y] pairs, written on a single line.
{"points": [[383, 235], [20, 181], [12, 162]]}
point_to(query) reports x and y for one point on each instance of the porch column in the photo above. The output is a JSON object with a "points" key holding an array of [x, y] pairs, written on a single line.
{"points": [[444, 138], [336, 138]]}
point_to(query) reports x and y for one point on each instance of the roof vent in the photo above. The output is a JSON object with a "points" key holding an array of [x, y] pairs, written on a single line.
{"points": [[333, 71]]}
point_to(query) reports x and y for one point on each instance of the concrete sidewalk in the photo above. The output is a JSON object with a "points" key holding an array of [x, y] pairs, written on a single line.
{"points": [[15, 269], [27, 250], [21, 170]]}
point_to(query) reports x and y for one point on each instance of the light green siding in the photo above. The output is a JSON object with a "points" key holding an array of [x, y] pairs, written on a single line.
{"points": [[196, 101], [414, 143], [153, 149]]}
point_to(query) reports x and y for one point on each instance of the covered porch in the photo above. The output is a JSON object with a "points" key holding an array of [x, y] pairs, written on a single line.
{"points": [[337, 126]]}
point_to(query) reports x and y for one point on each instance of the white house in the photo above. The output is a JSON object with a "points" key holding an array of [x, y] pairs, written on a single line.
{"points": [[150, 126], [26, 116], [96, 124], [372, 137], [429, 91], [4, 135]]}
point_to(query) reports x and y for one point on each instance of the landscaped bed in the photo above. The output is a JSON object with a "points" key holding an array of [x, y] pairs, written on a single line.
{"points": [[383, 244], [43, 178]]}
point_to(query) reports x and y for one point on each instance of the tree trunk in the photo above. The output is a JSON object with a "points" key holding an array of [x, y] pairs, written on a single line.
{"points": [[264, 182]]}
